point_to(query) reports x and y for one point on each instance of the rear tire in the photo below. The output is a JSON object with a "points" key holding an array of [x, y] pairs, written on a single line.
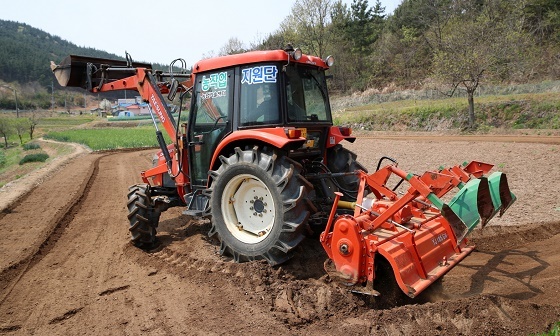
{"points": [[342, 160], [142, 216], [259, 205]]}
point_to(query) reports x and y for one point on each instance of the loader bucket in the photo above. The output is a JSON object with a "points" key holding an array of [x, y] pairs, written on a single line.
{"points": [[471, 206], [502, 197], [81, 71]]}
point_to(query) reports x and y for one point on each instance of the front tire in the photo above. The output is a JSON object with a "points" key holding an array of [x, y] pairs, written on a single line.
{"points": [[142, 216], [259, 205]]}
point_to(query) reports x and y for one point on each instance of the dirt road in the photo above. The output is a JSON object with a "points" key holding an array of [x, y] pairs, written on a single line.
{"points": [[67, 268]]}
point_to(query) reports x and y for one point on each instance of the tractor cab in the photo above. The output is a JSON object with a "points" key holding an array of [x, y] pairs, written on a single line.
{"points": [[257, 92]]}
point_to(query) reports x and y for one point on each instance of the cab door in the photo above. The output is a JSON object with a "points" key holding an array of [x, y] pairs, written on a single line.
{"points": [[210, 119]]}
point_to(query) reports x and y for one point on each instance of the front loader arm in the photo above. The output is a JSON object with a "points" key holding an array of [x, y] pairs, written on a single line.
{"points": [[102, 75]]}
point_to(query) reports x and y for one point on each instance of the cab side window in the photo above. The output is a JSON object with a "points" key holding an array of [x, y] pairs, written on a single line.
{"points": [[259, 103]]}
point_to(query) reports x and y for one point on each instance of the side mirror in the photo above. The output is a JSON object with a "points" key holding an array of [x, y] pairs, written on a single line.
{"points": [[173, 89]]}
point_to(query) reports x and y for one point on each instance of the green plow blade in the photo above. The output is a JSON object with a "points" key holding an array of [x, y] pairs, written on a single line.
{"points": [[502, 197], [478, 201], [471, 206]]}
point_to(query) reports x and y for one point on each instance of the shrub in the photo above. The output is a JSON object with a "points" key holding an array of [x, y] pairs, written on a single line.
{"points": [[3, 159], [30, 146], [39, 157]]}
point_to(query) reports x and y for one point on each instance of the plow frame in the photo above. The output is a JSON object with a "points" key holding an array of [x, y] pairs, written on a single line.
{"points": [[419, 235]]}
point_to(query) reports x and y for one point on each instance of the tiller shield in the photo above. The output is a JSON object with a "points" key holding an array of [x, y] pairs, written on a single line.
{"points": [[420, 235]]}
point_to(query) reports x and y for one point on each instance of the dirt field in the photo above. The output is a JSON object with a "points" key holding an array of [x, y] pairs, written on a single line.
{"points": [[67, 268]]}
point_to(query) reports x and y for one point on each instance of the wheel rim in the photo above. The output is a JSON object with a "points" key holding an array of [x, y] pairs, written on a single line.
{"points": [[248, 208]]}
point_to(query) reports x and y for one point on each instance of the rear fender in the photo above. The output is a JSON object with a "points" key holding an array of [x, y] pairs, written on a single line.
{"points": [[337, 134], [275, 137]]}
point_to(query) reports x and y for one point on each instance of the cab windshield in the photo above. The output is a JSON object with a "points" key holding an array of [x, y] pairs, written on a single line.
{"points": [[306, 95]]}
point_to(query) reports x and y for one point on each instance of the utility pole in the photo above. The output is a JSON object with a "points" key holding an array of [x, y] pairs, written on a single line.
{"points": [[17, 108], [15, 94], [52, 96]]}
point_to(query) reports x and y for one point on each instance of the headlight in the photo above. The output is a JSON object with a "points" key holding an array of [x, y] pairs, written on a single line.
{"points": [[297, 53], [329, 60]]}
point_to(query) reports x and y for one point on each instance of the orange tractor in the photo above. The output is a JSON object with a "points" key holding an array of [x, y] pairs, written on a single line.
{"points": [[259, 155]]}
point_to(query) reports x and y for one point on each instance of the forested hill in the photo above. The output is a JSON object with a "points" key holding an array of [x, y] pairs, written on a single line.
{"points": [[26, 53]]}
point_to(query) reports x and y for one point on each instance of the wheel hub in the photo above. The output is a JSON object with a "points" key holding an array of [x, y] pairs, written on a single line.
{"points": [[258, 206], [249, 212]]}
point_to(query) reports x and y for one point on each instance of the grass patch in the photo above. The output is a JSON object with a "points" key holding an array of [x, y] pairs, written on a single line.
{"points": [[12, 156], [3, 159], [12, 170], [109, 138], [31, 146], [65, 121], [38, 157], [61, 123], [135, 118], [410, 114]]}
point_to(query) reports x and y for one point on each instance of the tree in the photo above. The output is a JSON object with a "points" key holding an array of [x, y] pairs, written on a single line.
{"points": [[481, 44], [543, 19], [354, 31], [105, 105], [33, 122], [359, 29], [310, 20], [343, 71], [233, 46], [276, 40], [6, 129], [20, 125], [365, 25]]}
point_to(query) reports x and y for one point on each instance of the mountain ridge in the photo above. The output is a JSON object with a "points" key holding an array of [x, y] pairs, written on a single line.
{"points": [[27, 51]]}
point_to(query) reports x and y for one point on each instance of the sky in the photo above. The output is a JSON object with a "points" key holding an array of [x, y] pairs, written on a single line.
{"points": [[157, 32]]}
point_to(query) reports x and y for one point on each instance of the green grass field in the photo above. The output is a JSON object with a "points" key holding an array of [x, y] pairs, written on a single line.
{"points": [[109, 138]]}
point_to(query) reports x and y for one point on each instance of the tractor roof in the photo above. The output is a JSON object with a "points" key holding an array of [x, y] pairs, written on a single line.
{"points": [[254, 57]]}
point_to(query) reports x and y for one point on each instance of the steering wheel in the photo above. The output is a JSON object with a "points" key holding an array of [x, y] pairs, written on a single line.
{"points": [[215, 124]]}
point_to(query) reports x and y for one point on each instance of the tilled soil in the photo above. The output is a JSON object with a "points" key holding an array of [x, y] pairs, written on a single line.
{"points": [[67, 267]]}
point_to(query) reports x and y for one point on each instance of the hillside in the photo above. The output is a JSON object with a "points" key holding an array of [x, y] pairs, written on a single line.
{"points": [[27, 51]]}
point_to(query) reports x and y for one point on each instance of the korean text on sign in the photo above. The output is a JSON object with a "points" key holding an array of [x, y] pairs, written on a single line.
{"points": [[215, 81], [259, 74]]}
